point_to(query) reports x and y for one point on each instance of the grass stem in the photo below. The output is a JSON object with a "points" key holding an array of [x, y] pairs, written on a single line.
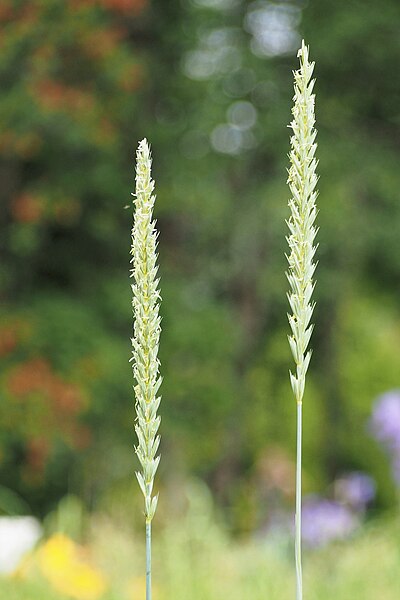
{"points": [[299, 576], [148, 560]]}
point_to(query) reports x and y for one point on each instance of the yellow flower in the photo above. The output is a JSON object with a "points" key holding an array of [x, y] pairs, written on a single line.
{"points": [[62, 565], [57, 554], [85, 583]]}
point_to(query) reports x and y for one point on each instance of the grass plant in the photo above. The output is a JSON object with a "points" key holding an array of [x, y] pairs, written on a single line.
{"points": [[302, 182], [145, 341]]}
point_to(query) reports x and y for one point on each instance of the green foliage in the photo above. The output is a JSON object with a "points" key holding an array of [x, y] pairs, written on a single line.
{"points": [[81, 83]]}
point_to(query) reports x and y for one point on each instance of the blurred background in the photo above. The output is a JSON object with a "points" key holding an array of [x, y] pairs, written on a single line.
{"points": [[209, 83]]}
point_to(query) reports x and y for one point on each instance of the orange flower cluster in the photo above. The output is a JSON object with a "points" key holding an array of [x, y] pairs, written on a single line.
{"points": [[8, 340], [6, 11], [56, 96], [56, 405], [36, 376], [38, 450], [30, 207], [101, 42], [27, 208], [23, 145], [23, 16], [126, 7], [12, 332]]}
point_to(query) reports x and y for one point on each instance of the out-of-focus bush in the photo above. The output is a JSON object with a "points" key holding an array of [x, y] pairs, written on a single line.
{"points": [[209, 83]]}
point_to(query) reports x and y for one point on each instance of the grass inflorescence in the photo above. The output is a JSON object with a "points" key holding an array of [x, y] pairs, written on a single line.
{"points": [[145, 341]]}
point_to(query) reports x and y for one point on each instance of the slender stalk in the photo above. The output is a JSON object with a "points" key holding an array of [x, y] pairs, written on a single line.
{"points": [[302, 182], [145, 341], [299, 576], [148, 560]]}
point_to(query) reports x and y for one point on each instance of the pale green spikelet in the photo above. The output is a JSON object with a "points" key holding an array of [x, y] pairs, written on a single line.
{"points": [[146, 333], [302, 182]]}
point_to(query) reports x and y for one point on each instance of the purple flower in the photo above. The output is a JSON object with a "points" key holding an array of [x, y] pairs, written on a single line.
{"points": [[355, 489], [325, 521], [385, 420], [385, 427]]}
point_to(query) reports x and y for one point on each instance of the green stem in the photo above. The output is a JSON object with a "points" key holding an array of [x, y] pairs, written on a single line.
{"points": [[148, 560], [299, 576]]}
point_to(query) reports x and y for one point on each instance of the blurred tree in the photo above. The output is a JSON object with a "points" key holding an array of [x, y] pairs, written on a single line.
{"points": [[209, 83], [69, 81]]}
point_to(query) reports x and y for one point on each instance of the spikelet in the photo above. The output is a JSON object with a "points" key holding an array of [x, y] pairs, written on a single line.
{"points": [[146, 333], [302, 182]]}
